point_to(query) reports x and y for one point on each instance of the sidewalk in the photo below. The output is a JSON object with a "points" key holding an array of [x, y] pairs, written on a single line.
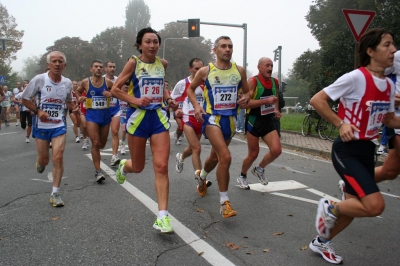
{"points": [[309, 144]]}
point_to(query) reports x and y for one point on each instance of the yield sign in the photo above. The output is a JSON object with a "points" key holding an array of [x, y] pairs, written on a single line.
{"points": [[358, 21]]}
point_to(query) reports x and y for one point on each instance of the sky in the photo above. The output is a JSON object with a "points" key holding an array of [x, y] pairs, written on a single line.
{"points": [[269, 24]]}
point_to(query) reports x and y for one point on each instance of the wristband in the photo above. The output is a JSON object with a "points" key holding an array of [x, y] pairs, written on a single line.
{"points": [[340, 124]]}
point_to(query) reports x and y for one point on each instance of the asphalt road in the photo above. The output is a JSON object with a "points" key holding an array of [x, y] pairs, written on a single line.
{"points": [[110, 224]]}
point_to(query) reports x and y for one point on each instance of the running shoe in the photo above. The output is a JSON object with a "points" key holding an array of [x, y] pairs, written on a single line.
{"points": [[115, 160], [81, 136], [326, 250], [324, 220], [163, 225], [123, 149], [202, 185], [119, 176], [50, 146], [226, 210], [27, 140], [178, 142], [7, 124], [56, 200], [261, 176], [179, 163], [85, 144], [17, 124], [39, 168], [77, 140], [342, 188], [242, 181], [99, 177], [381, 150]]}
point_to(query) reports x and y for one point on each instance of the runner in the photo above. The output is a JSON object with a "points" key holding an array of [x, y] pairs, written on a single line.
{"points": [[147, 118], [2, 97], [191, 127], [14, 104], [115, 116], [82, 111], [366, 100], [124, 107], [25, 114], [98, 116], [51, 91], [222, 81], [262, 109], [6, 104]]}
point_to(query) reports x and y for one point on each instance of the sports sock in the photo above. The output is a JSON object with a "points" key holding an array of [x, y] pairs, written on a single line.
{"points": [[223, 196], [259, 169], [55, 190], [123, 172], [162, 213], [203, 174]]}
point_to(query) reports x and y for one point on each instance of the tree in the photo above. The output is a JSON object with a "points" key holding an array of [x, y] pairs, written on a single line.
{"points": [[178, 52], [31, 67], [109, 44], [8, 29], [137, 17], [80, 55]]}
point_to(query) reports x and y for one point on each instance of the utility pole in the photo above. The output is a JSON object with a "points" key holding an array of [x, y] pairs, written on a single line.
{"points": [[278, 56]]}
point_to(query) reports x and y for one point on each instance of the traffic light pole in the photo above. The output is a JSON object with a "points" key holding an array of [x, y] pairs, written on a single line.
{"points": [[278, 56], [243, 26]]}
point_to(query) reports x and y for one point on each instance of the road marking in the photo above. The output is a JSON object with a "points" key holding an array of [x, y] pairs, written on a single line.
{"points": [[322, 194], [294, 197], [49, 177], [288, 168], [277, 186], [209, 253], [390, 195], [8, 133]]}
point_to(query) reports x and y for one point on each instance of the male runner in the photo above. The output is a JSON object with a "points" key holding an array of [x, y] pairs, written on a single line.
{"points": [[6, 104], [222, 81], [261, 112], [98, 116], [115, 115], [15, 104], [51, 91]]}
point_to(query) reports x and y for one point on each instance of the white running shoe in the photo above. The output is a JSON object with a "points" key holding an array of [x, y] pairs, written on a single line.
{"points": [[17, 124], [326, 250], [85, 144], [261, 176], [324, 220], [342, 188], [115, 160], [77, 140], [179, 163], [242, 181], [27, 140], [123, 150]]}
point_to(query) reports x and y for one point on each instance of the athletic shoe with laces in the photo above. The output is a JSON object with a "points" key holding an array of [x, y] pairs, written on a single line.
{"points": [[99, 177], [178, 142], [261, 176], [242, 181], [17, 124], [326, 250], [85, 144], [324, 220], [39, 168], [163, 225], [118, 175], [27, 140], [342, 188], [56, 200], [123, 149], [179, 163], [115, 160], [81, 136], [381, 150], [226, 210], [77, 140]]}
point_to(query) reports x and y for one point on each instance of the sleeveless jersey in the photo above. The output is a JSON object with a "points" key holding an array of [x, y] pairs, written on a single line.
{"points": [[7, 100], [148, 80], [114, 102], [369, 113], [261, 93], [95, 98], [221, 90], [123, 107]]}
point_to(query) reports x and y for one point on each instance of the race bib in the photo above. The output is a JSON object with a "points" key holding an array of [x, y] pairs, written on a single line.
{"points": [[267, 108], [113, 101], [153, 87], [199, 99], [55, 112], [99, 102], [225, 97], [377, 113]]}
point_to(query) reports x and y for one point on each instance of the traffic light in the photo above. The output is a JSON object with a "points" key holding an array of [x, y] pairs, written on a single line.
{"points": [[194, 27], [283, 89], [277, 54]]}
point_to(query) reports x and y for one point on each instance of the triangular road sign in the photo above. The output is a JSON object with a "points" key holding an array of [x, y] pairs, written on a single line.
{"points": [[358, 21]]}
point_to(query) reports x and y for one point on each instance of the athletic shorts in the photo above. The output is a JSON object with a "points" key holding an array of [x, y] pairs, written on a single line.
{"points": [[48, 134], [226, 123], [191, 121], [259, 126], [116, 114], [102, 117], [145, 123], [354, 162], [122, 120]]}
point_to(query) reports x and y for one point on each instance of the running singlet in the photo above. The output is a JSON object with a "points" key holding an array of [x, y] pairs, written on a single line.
{"points": [[123, 107], [114, 102], [94, 97], [7, 99], [261, 93], [221, 90], [51, 98], [368, 113], [180, 94], [148, 80]]}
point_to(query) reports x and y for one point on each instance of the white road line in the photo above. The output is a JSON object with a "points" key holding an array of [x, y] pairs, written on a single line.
{"points": [[209, 253], [277, 186], [47, 181], [294, 197], [322, 194], [390, 195], [7, 133]]}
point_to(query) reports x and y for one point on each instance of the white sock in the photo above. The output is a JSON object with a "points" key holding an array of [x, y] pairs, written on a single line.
{"points": [[55, 190], [203, 174], [162, 214], [123, 172], [259, 169], [223, 196]]}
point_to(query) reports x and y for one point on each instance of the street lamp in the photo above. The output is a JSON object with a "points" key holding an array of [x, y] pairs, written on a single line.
{"points": [[163, 52]]}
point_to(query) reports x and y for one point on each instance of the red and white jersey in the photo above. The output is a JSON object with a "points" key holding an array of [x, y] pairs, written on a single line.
{"points": [[364, 101], [180, 95], [73, 94]]}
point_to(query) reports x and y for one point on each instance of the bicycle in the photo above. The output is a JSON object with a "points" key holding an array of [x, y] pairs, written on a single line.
{"points": [[328, 130], [309, 122]]}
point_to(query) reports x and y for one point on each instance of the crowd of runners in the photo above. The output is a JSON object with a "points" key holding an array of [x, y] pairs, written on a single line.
{"points": [[135, 106]]}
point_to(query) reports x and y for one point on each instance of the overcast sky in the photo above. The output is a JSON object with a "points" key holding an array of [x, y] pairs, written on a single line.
{"points": [[269, 23]]}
